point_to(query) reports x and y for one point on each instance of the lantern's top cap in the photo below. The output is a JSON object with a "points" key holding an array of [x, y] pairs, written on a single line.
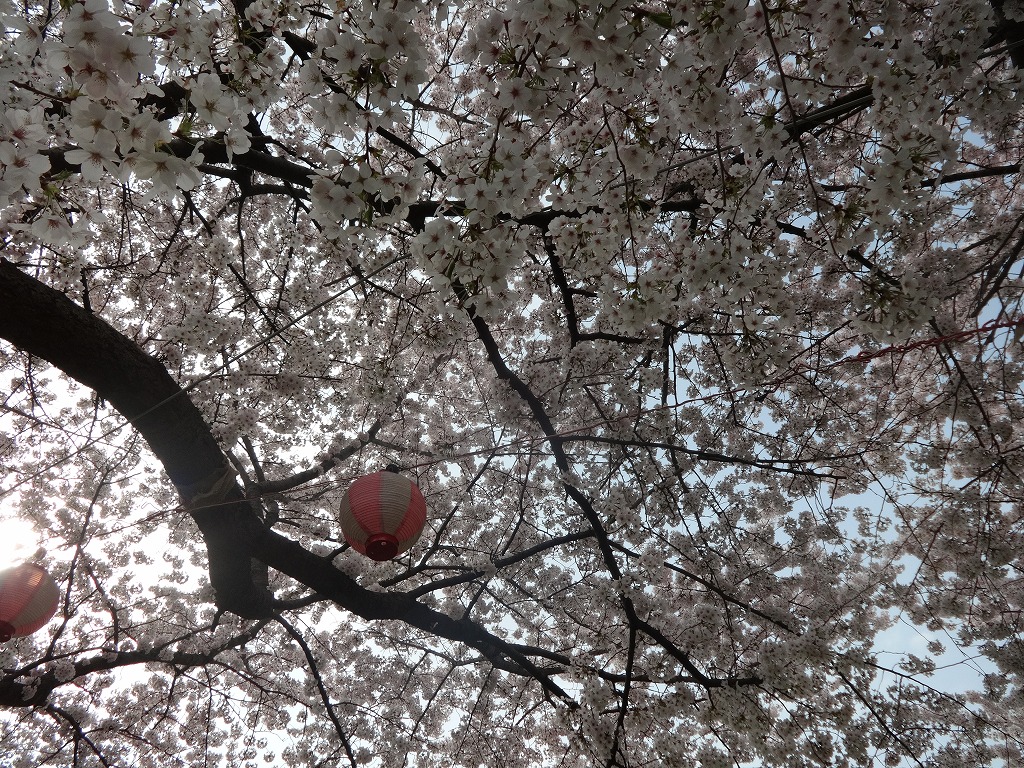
{"points": [[393, 468]]}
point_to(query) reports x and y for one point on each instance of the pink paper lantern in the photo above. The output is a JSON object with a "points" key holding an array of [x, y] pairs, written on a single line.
{"points": [[383, 515], [28, 599]]}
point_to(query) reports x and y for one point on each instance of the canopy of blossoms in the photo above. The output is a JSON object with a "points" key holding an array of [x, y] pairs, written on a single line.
{"points": [[698, 324]]}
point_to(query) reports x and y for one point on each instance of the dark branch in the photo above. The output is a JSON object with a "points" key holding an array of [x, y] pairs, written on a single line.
{"points": [[46, 323]]}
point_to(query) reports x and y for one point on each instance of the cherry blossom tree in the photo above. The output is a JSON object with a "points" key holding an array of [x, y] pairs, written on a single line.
{"points": [[698, 324]]}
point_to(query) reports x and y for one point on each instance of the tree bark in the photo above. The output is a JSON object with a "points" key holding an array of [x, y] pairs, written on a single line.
{"points": [[44, 322]]}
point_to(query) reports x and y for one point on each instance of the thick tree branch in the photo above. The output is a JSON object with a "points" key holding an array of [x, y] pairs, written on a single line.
{"points": [[19, 690], [302, 565], [789, 466], [46, 323], [582, 501]]}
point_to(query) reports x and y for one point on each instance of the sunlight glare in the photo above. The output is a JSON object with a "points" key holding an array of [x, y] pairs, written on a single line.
{"points": [[18, 542]]}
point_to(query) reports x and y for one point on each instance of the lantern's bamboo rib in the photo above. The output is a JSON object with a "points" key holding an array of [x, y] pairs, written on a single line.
{"points": [[30, 598]]}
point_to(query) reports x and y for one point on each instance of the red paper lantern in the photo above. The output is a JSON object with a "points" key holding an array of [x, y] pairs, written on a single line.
{"points": [[28, 599], [383, 514]]}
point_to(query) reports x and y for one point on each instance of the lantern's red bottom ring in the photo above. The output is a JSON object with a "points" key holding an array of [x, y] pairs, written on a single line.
{"points": [[6, 631], [381, 546]]}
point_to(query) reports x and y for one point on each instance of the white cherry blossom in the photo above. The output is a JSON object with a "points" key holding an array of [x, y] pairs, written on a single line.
{"points": [[698, 325]]}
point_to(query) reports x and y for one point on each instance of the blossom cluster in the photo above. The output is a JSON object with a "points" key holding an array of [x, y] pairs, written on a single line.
{"points": [[670, 309]]}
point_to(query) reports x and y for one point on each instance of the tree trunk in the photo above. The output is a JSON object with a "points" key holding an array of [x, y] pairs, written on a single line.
{"points": [[44, 322]]}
